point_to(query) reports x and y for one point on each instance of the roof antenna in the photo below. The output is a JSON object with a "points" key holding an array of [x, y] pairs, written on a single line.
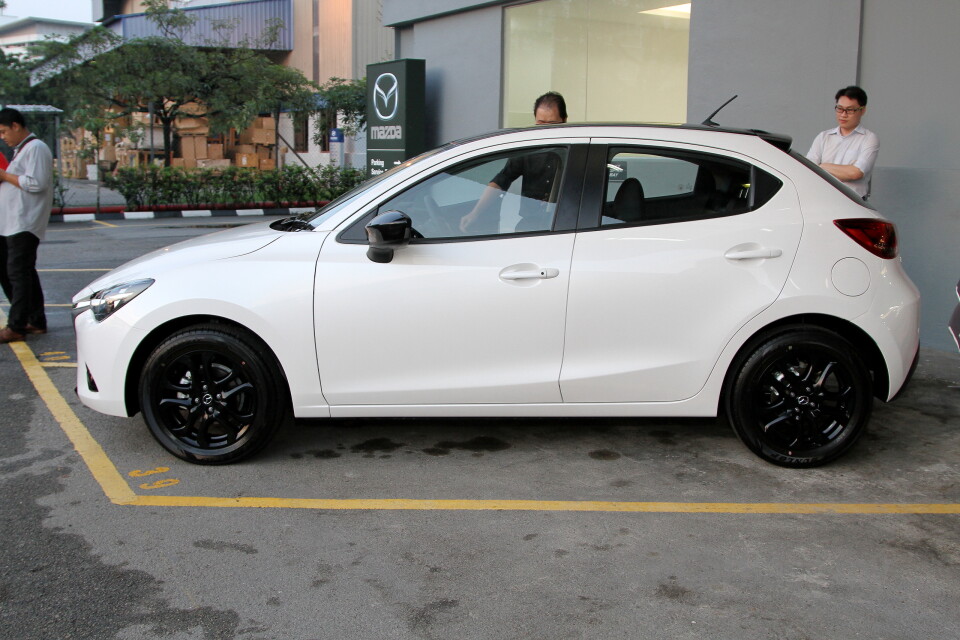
{"points": [[709, 121]]}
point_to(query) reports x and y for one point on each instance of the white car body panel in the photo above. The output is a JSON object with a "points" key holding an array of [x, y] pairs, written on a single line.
{"points": [[441, 325], [281, 313]]}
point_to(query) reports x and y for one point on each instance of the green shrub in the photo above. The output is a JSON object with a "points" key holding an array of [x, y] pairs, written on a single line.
{"points": [[150, 186]]}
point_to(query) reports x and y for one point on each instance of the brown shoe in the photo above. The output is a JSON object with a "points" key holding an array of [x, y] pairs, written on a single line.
{"points": [[9, 335], [34, 330]]}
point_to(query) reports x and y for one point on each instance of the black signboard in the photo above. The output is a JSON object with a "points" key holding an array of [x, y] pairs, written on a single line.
{"points": [[395, 104]]}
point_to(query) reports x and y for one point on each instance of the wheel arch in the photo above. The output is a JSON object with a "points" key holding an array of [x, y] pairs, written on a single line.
{"points": [[861, 341], [167, 329]]}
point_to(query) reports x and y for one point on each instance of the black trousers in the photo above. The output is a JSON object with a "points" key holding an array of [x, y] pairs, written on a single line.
{"points": [[21, 284]]}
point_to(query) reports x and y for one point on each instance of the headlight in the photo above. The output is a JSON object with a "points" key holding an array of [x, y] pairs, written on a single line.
{"points": [[106, 301]]}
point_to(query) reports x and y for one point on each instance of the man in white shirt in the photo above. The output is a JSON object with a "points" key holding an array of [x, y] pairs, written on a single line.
{"points": [[26, 195], [849, 151]]}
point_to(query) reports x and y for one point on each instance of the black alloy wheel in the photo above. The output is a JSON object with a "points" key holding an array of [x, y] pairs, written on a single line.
{"points": [[209, 397], [800, 399]]}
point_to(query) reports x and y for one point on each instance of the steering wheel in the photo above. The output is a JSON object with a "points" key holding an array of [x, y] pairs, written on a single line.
{"points": [[437, 225]]}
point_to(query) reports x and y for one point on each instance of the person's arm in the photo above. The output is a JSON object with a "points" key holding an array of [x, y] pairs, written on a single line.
{"points": [[9, 177], [512, 170], [844, 172], [36, 168], [491, 193], [863, 165]]}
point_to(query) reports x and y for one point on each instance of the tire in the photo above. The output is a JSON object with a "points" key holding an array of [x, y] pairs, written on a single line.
{"points": [[210, 397], [801, 398]]}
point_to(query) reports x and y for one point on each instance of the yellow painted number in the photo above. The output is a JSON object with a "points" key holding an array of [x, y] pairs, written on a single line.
{"points": [[140, 474], [159, 484]]}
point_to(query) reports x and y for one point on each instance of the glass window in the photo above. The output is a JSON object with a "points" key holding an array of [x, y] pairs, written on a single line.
{"points": [[649, 186], [301, 132], [496, 195], [613, 60]]}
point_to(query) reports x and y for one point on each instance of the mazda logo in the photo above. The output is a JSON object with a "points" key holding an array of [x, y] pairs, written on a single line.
{"points": [[386, 96]]}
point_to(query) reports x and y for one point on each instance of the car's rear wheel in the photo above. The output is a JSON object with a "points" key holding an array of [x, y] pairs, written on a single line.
{"points": [[210, 397], [800, 398]]}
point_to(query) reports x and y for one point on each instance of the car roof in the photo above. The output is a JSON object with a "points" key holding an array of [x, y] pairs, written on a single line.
{"points": [[778, 140]]}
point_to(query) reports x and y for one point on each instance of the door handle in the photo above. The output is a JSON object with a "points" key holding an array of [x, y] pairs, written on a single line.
{"points": [[531, 274], [752, 254]]}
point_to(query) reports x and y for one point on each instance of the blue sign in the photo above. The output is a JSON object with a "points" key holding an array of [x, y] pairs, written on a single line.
{"points": [[336, 135]]}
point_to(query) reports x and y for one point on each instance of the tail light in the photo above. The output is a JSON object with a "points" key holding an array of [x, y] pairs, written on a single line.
{"points": [[879, 237]]}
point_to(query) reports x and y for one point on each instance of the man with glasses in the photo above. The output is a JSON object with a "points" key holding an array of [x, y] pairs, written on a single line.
{"points": [[849, 151]]}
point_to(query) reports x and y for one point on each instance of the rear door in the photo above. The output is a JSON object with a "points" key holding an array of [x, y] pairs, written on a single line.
{"points": [[662, 277]]}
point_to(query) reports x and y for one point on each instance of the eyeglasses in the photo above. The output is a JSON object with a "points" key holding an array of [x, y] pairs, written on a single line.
{"points": [[847, 110]]}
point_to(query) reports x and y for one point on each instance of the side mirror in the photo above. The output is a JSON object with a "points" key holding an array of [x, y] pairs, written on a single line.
{"points": [[386, 233]]}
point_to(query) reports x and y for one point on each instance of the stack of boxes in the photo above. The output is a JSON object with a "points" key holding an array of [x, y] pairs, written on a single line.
{"points": [[194, 147], [252, 148], [255, 145], [69, 161]]}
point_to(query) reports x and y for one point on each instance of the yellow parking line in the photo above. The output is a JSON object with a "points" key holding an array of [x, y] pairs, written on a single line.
{"points": [[118, 491], [549, 505], [104, 472]]}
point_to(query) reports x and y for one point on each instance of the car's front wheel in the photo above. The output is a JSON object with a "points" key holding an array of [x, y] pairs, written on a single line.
{"points": [[210, 397], [800, 398]]}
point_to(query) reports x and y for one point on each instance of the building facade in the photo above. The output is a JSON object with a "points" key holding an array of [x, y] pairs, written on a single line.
{"points": [[323, 39], [655, 60]]}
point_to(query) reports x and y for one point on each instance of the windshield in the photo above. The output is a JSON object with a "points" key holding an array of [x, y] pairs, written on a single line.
{"points": [[338, 204], [823, 173]]}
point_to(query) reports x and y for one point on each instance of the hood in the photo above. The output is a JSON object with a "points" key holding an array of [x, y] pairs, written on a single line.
{"points": [[214, 246]]}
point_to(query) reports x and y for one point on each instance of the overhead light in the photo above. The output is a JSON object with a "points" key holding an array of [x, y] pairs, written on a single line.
{"points": [[676, 11]]}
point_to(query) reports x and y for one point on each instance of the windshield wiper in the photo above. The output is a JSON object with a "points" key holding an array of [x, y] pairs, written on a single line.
{"points": [[293, 223]]}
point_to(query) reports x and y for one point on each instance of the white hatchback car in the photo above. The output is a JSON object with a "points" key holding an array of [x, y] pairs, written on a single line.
{"points": [[581, 270]]}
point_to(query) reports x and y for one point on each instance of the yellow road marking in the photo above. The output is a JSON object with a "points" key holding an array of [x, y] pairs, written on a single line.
{"points": [[118, 491], [548, 505], [102, 468], [101, 222], [54, 365]]}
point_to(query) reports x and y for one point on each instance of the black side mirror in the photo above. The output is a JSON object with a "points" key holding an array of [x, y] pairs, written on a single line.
{"points": [[386, 233]]}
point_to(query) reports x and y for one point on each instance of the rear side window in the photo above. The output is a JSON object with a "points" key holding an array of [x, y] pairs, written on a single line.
{"points": [[649, 186]]}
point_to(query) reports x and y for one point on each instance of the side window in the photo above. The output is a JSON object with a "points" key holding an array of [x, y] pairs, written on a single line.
{"points": [[508, 193], [653, 186]]}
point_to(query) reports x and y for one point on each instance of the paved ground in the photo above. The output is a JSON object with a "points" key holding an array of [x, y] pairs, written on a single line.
{"points": [[386, 529]]}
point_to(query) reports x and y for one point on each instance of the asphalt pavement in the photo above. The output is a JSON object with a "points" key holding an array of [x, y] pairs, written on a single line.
{"points": [[469, 529]]}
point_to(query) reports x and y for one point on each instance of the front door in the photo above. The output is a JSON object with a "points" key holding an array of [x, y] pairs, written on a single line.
{"points": [[473, 312]]}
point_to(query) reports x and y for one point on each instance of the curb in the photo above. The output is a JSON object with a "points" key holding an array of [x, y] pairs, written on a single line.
{"points": [[107, 216]]}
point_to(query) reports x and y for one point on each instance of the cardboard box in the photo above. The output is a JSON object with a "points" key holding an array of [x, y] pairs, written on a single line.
{"points": [[249, 160], [264, 153], [188, 123], [193, 147], [215, 151], [267, 164], [245, 148], [258, 136], [265, 122]]}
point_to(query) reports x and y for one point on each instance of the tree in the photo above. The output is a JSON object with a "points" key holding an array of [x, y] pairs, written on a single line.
{"points": [[164, 75], [349, 99]]}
